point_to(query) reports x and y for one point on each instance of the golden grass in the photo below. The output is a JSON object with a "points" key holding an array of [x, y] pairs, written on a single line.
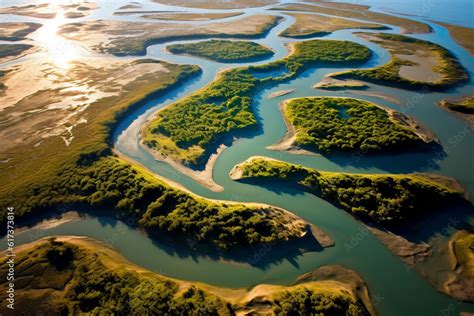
{"points": [[407, 26], [315, 24], [463, 35]]}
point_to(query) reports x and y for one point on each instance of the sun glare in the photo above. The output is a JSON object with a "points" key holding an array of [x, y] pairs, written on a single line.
{"points": [[59, 51]]}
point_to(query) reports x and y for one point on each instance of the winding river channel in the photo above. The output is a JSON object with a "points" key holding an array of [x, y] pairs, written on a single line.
{"points": [[396, 289]]}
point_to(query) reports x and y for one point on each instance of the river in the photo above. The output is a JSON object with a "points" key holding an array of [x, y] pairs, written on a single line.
{"points": [[396, 289]]}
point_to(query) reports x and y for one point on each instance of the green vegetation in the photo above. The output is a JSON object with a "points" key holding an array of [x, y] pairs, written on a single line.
{"points": [[187, 130], [38, 179], [345, 124], [303, 301], [382, 199], [223, 50], [136, 194], [465, 105], [7, 50], [63, 278], [448, 67], [76, 275]]}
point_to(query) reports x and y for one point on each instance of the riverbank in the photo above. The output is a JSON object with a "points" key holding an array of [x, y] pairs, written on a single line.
{"points": [[321, 109], [63, 257]]}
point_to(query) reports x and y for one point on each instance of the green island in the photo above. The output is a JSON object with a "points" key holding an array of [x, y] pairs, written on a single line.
{"points": [[386, 200], [461, 249], [336, 124], [77, 275], [415, 64], [39, 179], [223, 50], [187, 130]]}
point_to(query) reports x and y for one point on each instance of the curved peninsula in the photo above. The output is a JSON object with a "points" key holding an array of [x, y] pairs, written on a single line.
{"points": [[81, 171], [400, 210], [224, 51], [75, 275], [415, 64], [387, 200], [338, 125]]}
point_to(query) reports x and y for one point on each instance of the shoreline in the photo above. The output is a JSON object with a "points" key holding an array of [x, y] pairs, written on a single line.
{"points": [[245, 300], [324, 239], [286, 143]]}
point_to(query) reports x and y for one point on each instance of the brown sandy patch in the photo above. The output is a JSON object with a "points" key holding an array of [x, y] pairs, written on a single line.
{"points": [[16, 31], [280, 93], [49, 10], [407, 26], [463, 35], [9, 52], [122, 37], [423, 69], [287, 143], [422, 64], [191, 16], [315, 24], [41, 100]]}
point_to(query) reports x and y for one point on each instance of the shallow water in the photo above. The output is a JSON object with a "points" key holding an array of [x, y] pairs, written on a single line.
{"points": [[395, 289]]}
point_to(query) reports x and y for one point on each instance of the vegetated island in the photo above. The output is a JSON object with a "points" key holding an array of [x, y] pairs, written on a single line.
{"points": [[178, 16], [122, 38], [17, 31], [83, 172], [462, 107], [395, 208], [360, 13], [386, 200], [463, 35], [223, 50], [76, 275], [461, 248], [310, 25], [189, 130], [339, 125], [415, 64]]}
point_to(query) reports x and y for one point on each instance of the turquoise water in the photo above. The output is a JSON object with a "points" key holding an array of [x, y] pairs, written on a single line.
{"points": [[395, 289]]}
